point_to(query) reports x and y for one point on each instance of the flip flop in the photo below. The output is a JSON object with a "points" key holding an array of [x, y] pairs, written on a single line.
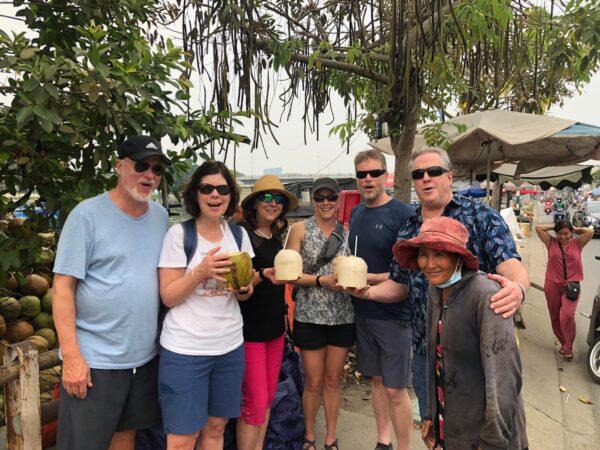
{"points": [[332, 446], [308, 445]]}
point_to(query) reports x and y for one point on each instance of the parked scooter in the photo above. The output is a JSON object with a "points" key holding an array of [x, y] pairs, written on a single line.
{"points": [[548, 210], [593, 338]]}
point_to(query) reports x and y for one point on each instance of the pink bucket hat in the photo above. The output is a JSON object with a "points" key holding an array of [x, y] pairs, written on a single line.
{"points": [[439, 233]]}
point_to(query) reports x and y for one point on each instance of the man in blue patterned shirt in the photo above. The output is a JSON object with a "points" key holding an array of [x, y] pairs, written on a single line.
{"points": [[490, 240]]}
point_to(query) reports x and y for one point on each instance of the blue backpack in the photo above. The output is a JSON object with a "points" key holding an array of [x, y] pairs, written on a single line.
{"points": [[190, 237]]}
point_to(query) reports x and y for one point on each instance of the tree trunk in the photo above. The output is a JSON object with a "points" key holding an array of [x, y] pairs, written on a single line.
{"points": [[402, 146]]}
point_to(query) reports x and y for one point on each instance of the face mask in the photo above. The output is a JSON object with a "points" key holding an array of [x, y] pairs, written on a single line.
{"points": [[456, 276]]}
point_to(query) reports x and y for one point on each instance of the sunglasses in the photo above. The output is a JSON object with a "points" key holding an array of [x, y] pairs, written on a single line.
{"points": [[206, 189], [434, 171], [267, 197], [321, 197], [361, 174], [142, 166]]}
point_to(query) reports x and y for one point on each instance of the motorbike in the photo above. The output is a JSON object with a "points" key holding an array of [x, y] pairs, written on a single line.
{"points": [[593, 338], [547, 210], [559, 214]]}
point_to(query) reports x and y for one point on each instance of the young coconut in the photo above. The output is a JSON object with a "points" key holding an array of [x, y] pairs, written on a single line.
{"points": [[336, 265], [288, 265], [240, 270], [352, 272]]}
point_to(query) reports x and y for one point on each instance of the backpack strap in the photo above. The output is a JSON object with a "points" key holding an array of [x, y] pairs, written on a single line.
{"points": [[190, 238], [238, 234]]}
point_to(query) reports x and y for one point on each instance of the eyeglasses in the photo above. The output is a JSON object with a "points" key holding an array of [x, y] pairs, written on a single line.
{"points": [[434, 171], [206, 189], [321, 197], [267, 197], [361, 174], [142, 166]]}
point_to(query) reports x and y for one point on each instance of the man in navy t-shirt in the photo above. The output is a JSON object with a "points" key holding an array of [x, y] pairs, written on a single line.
{"points": [[383, 322]]}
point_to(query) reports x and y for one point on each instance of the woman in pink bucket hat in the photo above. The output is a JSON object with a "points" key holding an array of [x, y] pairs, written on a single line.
{"points": [[473, 365]]}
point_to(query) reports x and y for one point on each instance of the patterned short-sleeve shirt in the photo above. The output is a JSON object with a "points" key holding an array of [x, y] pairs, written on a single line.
{"points": [[489, 239]]}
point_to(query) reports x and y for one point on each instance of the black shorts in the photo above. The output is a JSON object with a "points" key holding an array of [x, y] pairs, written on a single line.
{"points": [[312, 336], [119, 400]]}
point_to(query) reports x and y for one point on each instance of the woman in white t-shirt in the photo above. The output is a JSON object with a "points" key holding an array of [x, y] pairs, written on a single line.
{"points": [[202, 353]]}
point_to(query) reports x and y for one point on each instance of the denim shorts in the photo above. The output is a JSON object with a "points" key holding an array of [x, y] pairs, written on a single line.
{"points": [[193, 388]]}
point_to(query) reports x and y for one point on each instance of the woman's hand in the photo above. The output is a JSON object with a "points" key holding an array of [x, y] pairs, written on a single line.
{"points": [[427, 433], [269, 274], [244, 293], [329, 282], [212, 266]]}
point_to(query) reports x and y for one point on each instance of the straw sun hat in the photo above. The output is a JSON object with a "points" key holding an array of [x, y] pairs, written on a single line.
{"points": [[439, 233], [270, 183]]}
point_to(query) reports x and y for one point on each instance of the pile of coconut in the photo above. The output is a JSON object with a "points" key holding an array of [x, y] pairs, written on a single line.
{"points": [[26, 312]]}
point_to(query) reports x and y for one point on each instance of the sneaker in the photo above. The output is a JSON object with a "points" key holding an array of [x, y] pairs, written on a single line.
{"points": [[381, 446]]}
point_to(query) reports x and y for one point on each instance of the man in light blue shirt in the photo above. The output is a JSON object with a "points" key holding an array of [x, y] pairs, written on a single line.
{"points": [[105, 306]]}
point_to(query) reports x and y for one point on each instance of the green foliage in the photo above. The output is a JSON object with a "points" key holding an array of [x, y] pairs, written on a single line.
{"points": [[436, 136], [88, 79]]}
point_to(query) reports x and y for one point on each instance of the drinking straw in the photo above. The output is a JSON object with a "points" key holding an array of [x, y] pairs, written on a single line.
{"points": [[345, 246], [287, 236]]}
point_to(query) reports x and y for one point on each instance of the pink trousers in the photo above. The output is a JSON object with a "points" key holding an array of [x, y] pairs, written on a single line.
{"points": [[562, 314], [263, 362]]}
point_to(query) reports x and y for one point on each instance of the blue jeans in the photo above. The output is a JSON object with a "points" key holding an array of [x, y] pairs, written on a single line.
{"points": [[419, 382]]}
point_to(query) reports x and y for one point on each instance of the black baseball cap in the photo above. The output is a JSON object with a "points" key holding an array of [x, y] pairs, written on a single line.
{"points": [[139, 148]]}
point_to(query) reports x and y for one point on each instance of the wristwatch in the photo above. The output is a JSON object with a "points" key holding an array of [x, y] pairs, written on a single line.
{"points": [[261, 274], [318, 281]]}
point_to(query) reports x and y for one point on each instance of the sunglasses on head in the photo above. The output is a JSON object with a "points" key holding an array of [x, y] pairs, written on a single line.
{"points": [[142, 166], [361, 174], [206, 189], [434, 171], [322, 197], [267, 197]]}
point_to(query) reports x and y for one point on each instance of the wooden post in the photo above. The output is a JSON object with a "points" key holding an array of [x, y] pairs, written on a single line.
{"points": [[22, 399]]}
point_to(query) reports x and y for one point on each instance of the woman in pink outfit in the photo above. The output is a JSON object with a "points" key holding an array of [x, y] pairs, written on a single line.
{"points": [[564, 265]]}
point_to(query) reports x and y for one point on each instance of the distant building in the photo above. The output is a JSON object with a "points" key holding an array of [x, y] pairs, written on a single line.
{"points": [[273, 171]]}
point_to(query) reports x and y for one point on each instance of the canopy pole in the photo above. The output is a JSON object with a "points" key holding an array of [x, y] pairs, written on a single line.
{"points": [[489, 172]]}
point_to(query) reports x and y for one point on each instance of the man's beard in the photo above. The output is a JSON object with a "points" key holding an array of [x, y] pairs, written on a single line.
{"points": [[138, 196], [372, 195]]}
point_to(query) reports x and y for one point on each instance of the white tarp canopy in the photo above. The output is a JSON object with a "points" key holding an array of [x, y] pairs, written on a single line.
{"points": [[529, 140], [557, 176]]}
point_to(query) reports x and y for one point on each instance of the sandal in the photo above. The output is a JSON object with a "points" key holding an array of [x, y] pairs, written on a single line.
{"points": [[568, 356], [332, 446], [308, 445]]}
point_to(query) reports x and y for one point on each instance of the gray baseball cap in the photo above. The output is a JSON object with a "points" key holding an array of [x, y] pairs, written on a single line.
{"points": [[328, 183]]}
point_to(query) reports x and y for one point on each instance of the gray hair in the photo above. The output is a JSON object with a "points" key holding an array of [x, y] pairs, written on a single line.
{"points": [[370, 154], [443, 154]]}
